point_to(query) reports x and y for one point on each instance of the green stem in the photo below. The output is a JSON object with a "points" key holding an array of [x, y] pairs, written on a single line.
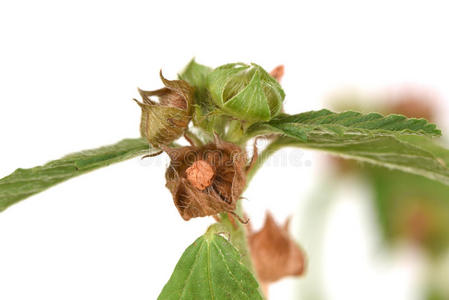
{"points": [[236, 230], [234, 132]]}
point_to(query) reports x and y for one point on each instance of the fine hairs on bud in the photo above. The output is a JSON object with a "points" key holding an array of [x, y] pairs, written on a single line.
{"points": [[164, 121]]}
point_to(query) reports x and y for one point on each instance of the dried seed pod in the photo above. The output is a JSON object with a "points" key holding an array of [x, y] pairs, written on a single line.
{"points": [[208, 180], [274, 254], [164, 121], [200, 174], [246, 92]]}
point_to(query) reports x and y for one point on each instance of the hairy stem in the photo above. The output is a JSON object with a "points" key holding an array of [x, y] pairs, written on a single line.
{"points": [[237, 231]]}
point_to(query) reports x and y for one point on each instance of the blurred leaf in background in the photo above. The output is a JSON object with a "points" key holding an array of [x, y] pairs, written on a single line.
{"points": [[411, 207], [408, 207]]}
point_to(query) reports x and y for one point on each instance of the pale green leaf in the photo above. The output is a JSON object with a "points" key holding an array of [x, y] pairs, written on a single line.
{"points": [[397, 195], [330, 125], [413, 154], [393, 141], [26, 182], [196, 74], [211, 268]]}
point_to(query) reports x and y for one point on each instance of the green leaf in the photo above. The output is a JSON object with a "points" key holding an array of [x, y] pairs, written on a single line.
{"points": [[412, 207], [196, 74], [23, 183], [211, 268], [393, 141], [413, 154], [328, 124]]}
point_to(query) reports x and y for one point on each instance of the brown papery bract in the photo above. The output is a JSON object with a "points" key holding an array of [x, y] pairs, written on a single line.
{"points": [[274, 253], [207, 180], [278, 73]]}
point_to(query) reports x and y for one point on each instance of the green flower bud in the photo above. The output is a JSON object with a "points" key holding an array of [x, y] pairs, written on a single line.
{"points": [[165, 121], [246, 92]]}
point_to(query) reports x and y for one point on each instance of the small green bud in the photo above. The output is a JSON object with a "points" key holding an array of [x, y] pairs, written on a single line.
{"points": [[165, 121], [246, 92]]}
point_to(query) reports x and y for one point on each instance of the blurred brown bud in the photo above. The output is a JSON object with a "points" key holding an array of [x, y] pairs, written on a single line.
{"points": [[208, 180], [274, 253], [277, 73], [414, 104], [164, 121]]}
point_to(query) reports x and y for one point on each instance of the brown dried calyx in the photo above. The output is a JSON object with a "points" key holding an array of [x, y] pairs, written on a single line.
{"points": [[164, 121], [207, 180], [274, 253]]}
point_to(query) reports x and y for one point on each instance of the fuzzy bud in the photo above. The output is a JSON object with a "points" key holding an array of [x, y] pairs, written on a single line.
{"points": [[165, 121], [246, 92]]}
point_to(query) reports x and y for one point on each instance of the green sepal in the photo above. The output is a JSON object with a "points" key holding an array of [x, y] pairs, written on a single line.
{"points": [[245, 92]]}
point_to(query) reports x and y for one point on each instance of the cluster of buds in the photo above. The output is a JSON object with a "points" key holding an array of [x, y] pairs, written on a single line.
{"points": [[209, 179]]}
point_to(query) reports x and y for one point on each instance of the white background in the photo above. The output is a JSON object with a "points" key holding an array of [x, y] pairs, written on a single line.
{"points": [[68, 72]]}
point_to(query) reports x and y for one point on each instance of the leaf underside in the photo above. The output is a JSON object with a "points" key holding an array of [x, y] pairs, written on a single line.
{"points": [[413, 154], [393, 141], [324, 122], [211, 268], [23, 183]]}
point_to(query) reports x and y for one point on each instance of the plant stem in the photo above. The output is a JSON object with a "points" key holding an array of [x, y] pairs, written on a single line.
{"points": [[237, 231]]}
